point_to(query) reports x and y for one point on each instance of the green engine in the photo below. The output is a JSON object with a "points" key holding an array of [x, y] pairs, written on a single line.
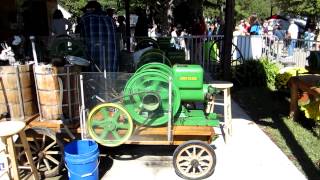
{"points": [[147, 95], [189, 81]]}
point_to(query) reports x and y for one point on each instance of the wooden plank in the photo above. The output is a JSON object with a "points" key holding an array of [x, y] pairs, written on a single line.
{"points": [[31, 118], [163, 142], [177, 130], [13, 158], [28, 154], [56, 125], [48, 123], [158, 135]]}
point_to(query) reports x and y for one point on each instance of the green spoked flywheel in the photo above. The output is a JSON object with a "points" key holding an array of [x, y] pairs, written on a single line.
{"points": [[153, 55], [63, 46], [147, 98], [155, 65], [110, 124], [146, 42]]}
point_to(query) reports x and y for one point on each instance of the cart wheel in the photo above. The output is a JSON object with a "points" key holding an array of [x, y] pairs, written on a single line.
{"points": [[215, 52], [146, 42], [110, 124], [194, 160], [46, 149]]}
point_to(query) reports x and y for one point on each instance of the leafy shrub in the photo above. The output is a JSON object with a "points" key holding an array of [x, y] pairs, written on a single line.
{"points": [[311, 111], [285, 74], [254, 73], [281, 80], [271, 69]]}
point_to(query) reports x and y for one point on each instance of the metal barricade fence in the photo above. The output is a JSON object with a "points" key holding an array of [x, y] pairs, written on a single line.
{"points": [[206, 50], [273, 48], [201, 50]]}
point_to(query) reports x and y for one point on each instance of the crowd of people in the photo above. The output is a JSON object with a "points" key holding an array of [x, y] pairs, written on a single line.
{"points": [[101, 31], [103, 28], [276, 31]]}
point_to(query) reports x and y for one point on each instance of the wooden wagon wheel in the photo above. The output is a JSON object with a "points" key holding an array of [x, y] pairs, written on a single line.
{"points": [[215, 56], [46, 149], [194, 160]]}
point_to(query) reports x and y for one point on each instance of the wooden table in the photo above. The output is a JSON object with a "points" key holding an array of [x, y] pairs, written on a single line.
{"points": [[227, 124]]}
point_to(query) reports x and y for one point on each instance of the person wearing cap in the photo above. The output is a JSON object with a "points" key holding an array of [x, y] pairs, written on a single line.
{"points": [[98, 32]]}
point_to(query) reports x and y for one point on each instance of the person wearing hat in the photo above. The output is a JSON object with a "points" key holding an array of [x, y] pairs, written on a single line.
{"points": [[98, 32]]}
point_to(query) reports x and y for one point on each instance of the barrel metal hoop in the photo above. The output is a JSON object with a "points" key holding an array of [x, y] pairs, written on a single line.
{"points": [[63, 105]]}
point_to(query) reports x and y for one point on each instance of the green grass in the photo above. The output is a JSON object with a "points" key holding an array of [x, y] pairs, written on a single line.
{"points": [[297, 139]]}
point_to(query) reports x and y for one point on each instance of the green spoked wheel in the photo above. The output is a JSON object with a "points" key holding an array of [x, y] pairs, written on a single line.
{"points": [[147, 98], [155, 66], [153, 55], [110, 124], [63, 46], [152, 51], [146, 42]]}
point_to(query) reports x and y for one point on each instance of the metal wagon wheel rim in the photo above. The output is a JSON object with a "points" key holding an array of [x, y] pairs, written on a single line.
{"points": [[194, 161]]}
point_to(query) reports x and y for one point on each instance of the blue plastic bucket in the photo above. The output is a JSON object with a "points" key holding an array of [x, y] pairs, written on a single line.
{"points": [[82, 160]]}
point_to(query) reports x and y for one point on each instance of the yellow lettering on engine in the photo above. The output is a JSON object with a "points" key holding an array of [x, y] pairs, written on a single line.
{"points": [[188, 78]]}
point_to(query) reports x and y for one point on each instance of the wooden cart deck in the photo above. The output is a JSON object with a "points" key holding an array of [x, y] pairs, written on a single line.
{"points": [[141, 135]]}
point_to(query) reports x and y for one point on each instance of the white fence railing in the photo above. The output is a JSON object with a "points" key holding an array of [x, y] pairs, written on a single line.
{"points": [[206, 50]]}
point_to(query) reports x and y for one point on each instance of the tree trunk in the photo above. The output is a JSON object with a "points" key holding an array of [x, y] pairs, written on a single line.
{"points": [[228, 36]]}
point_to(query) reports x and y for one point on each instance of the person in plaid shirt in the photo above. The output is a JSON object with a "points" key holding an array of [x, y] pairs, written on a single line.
{"points": [[98, 32]]}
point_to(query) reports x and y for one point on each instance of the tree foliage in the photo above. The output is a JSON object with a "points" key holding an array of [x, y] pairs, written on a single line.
{"points": [[74, 7], [263, 8], [299, 7], [245, 8]]}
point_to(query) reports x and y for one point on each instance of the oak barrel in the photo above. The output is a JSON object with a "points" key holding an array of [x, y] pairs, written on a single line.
{"points": [[49, 91], [17, 93]]}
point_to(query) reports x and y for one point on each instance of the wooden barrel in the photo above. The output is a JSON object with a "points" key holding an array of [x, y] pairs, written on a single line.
{"points": [[49, 91], [17, 93]]}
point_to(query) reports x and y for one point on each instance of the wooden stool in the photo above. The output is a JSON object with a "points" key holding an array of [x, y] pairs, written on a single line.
{"points": [[227, 124], [7, 130]]}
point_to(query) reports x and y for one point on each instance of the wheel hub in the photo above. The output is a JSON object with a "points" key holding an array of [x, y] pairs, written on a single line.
{"points": [[111, 126], [41, 155], [194, 163]]}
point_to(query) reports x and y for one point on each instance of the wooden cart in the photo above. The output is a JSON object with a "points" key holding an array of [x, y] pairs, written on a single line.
{"points": [[47, 138]]}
